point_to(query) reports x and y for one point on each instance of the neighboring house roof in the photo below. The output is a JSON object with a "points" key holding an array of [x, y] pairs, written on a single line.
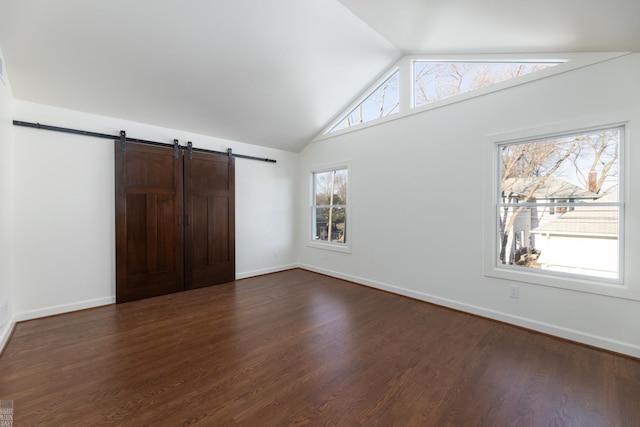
{"points": [[603, 222], [585, 220], [610, 195], [552, 188]]}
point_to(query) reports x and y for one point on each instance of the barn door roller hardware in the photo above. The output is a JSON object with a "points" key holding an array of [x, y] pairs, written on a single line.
{"points": [[123, 138], [123, 141]]}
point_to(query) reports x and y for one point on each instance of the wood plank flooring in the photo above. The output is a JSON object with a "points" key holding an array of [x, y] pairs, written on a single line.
{"points": [[297, 348]]}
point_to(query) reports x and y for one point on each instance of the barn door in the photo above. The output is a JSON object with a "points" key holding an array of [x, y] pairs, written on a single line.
{"points": [[209, 212], [149, 232], [175, 226]]}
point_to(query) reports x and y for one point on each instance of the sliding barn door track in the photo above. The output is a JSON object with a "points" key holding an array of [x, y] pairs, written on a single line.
{"points": [[123, 138]]}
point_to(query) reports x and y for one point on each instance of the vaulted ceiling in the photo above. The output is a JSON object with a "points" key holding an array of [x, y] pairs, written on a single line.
{"points": [[271, 73]]}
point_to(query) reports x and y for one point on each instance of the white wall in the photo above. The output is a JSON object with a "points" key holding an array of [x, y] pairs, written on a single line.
{"points": [[417, 202], [6, 209], [64, 208]]}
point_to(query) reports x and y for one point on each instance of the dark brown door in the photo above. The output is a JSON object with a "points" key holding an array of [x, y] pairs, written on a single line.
{"points": [[149, 231], [209, 212]]}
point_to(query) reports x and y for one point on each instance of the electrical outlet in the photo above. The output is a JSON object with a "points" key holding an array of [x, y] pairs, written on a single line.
{"points": [[514, 292]]}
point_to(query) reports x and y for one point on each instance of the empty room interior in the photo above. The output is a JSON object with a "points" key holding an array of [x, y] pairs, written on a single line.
{"points": [[319, 212]]}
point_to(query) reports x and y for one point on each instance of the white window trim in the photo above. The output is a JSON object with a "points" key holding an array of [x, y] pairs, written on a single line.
{"points": [[331, 246], [570, 61], [622, 288]]}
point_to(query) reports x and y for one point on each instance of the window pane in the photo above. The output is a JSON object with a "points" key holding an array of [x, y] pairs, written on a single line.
{"points": [[438, 80], [559, 204], [577, 239], [326, 183], [575, 167], [382, 102], [322, 187], [333, 219], [321, 224], [338, 225], [340, 188]]}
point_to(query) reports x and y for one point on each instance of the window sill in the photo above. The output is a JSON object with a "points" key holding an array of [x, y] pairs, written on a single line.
{"points": [[336, 247], [612, 288]]}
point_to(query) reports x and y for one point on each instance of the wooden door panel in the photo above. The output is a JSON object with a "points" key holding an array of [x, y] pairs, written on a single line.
{"points": [[210, 230], [210, 236], [165, 226], [136, 235], [219, 230], [210, 175], [200, 224], [147, 168], [149, 237], [209, 276]]}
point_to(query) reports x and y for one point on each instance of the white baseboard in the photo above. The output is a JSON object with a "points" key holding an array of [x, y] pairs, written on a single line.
{"points": [[535, 325], [269, 270], [5, 333], [65, 308], [81, 305]]}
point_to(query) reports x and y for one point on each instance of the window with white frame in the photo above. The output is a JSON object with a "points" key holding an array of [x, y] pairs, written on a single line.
{"points": [[329, 206], [381, 102], [559, 205], [417, 83]]}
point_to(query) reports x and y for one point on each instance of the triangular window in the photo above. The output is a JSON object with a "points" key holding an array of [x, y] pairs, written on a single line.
{"points": [[436, 80], [382, 102]]}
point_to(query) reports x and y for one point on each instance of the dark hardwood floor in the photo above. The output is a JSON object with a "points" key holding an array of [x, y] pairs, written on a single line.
{"points": [[297, 348]]}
